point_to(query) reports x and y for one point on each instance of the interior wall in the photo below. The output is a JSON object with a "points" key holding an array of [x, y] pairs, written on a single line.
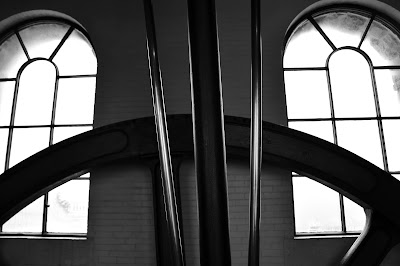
{"points": [[119, 230]]}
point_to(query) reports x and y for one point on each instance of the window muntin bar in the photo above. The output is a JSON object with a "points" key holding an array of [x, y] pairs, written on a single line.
{"points": [[382, 45], [343, 28], [12, 57], [76, 56], [312, 54], [41, 40]]}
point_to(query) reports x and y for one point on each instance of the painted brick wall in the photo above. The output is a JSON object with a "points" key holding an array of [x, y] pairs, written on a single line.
{"points": [[121, 224], [189, 213]]}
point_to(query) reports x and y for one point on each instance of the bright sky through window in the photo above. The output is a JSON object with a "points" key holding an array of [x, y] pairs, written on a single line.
{"points": [[47, 88], [342, 82]]}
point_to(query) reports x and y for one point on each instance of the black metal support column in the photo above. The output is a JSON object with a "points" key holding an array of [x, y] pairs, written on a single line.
{"points": [[163, 247], [209, 135]]}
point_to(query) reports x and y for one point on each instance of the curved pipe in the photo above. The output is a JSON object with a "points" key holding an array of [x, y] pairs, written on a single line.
{"points": [[356, 178]]}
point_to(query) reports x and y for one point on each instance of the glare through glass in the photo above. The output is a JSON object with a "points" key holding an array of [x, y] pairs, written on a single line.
{"points": [[300, 52], [311, 215], [351, 85], [307, 94], [12, 57], [342, 80], [68, 207], [28, 220], [37, 81], [43, 64], [41, 40]]}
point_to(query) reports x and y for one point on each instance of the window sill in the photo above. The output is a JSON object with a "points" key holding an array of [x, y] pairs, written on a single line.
{"points": [[44, 236], [326, 236]]}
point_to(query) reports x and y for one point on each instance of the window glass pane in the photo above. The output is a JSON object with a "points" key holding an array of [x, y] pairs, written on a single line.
{"points": [[35, 94], [361, 138], [75, 101], [355, 216], [351, 85], [28, 141], [388, 86], [316, 207], [69, 207], [391, 131], [76, 56], [3, 147], [6, 100], [382, 45], [307, 94], [87, 175], [320, 129], [343, 28], [397, 176], [301, 52], [62, 133], [41, 40], [12, 57], [28, 220]]}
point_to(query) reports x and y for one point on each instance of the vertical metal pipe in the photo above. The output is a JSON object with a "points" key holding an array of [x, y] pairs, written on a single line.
{"points": [[256, 134], [162, 137], [209, 134], [163, 247]]}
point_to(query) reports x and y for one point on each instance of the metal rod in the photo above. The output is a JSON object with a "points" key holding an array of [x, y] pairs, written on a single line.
{"points": [[162, 138], [163, 247], [208, 134], [256, 135]]}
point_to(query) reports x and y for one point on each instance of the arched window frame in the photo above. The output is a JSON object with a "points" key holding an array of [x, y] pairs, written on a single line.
{"points": [[376, 12], [19, 23]]}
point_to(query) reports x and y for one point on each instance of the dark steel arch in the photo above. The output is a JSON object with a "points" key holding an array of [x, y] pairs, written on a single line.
{"points": [[361, 181]]}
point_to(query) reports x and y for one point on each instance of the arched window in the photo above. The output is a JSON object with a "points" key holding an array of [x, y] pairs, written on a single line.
{"points": [[342, 81], [47, 88]]}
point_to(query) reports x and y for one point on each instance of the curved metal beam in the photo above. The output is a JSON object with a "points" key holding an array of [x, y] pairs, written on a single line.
{"points": [[356, 178]]}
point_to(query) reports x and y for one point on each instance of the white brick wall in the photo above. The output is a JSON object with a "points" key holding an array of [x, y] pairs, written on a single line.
{"points": [[121, 224]]}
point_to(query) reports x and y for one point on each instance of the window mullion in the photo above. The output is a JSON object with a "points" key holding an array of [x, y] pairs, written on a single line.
{"points": [[335, 139], [342, 215], [77, 76], [318, 28], [22, 45], [379, 120], [366, 31], [53, 113], [386, 67], [45, 213], [328, 80], [12, 119], [61, 43]]}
